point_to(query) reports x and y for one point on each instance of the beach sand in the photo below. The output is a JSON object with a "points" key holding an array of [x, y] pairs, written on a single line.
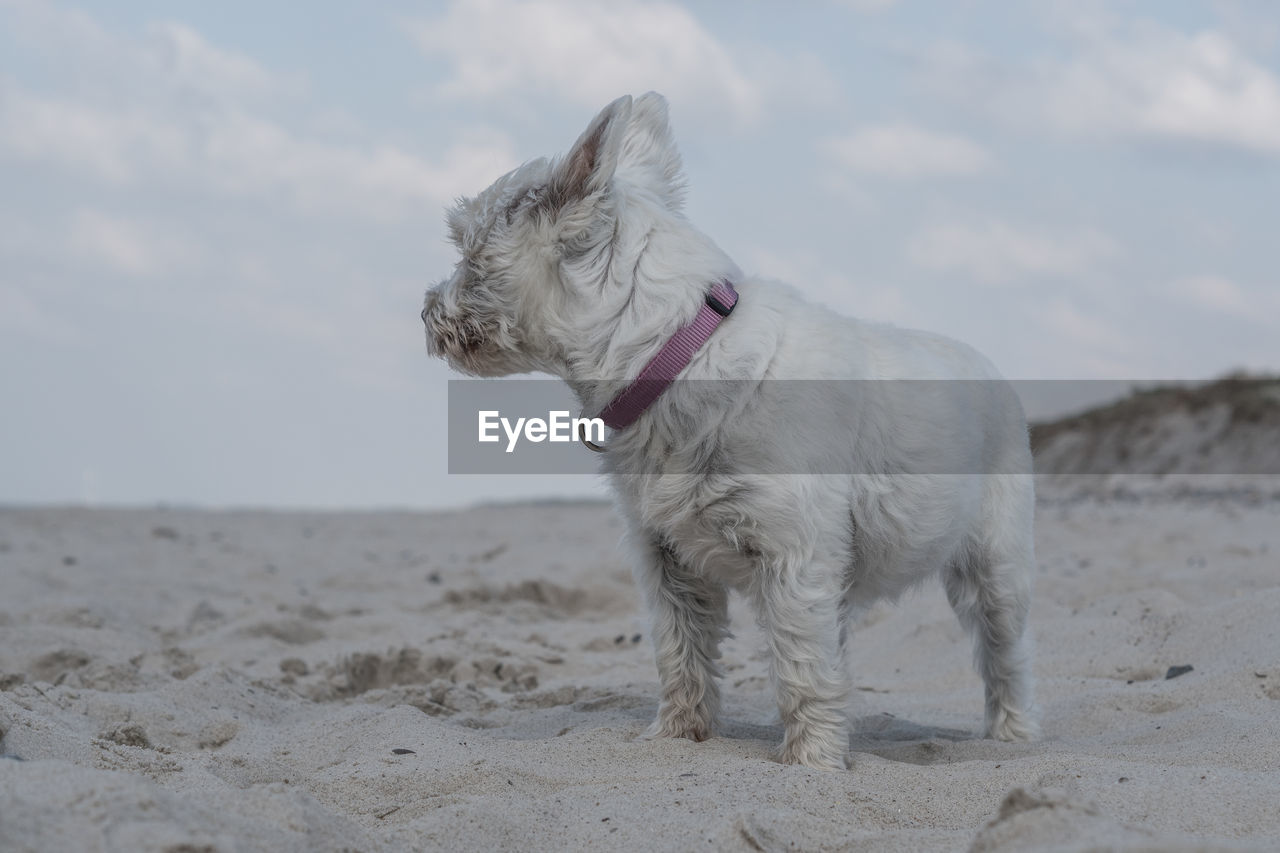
{"points": [[177, 680]]}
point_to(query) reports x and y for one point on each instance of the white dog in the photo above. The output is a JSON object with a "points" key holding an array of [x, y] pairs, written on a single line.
{"points": [[814, 499]]}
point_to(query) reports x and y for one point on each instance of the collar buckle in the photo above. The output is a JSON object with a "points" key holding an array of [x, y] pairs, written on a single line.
{"points": [[719, 307]]}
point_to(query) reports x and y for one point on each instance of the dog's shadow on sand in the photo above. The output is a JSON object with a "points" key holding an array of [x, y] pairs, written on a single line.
{"points": [[899, 739], [884, 735]]}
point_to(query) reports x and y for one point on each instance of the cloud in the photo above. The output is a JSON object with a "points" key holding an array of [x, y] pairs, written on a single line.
{"points": [[1101, 349], [1137, 81], [234, 152], [187, 60], [127, 245], [589, 53], [1223, 296], [832, 286], [869, 5], [1198, 88], [28, 19], [903, 151], [22, 314], [108, 144], [1250, 23], [995, 252], [250, 155], [166, 56], [123, 245], [168, 109]]}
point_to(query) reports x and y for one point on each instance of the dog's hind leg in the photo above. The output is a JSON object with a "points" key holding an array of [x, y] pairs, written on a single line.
{"points": [[801, 618], [689, 617], [989, 587]]}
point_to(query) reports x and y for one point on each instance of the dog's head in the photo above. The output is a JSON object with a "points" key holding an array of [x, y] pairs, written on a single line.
{"points": [[537, 247]]}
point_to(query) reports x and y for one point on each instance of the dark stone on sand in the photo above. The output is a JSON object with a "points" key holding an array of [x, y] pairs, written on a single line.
{"points": [[1175, 671], [294, 666]]}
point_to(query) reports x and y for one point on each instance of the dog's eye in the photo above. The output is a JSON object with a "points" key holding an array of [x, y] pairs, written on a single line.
{"points": [[509, 213], [530, 198], [471, 338], [469, 265]]}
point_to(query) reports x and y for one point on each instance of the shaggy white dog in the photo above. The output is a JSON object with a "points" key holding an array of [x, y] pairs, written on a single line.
{"points": [[812, 498]]}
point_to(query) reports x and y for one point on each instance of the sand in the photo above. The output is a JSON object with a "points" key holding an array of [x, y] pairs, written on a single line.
{"points": [[186, 680]]}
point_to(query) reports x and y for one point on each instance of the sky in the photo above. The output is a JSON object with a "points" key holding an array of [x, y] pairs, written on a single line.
{"points": [[217, 220]]}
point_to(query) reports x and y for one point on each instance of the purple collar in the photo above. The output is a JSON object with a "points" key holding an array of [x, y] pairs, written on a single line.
{"points": [[675, 355]]}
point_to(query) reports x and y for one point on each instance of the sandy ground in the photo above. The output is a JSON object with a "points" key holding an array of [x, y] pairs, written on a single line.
{"points": [[183, 681]]}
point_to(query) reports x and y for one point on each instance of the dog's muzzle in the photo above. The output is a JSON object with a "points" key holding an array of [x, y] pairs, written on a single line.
{"points": [[428, 306]]}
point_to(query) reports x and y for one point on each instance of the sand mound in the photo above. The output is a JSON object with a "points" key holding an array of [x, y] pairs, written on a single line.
{"points": [[1228, 427]]}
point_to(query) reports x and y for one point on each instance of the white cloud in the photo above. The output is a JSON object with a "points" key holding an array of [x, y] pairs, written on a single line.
{"points": [[589, 53], [1252, 24], [119, 244], [170, 110], [71, 28], [869, 5], [903, 151], [1100, 349], [831, 286], [1140, 81], [23, 314], [250, 155], [1223, 296], [168, 55], [1199, 88], [96, 241], [186, 59], [995, 252], [226, 149], [108, 144], [127, 245]]}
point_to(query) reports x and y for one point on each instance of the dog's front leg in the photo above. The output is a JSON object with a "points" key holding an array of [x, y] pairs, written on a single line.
{"points": [[801, 617], [688, 616]]}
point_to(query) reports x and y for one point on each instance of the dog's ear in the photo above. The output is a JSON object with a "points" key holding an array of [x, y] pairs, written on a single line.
{"points": [[649, 156], [458, 220], [589, 166]]}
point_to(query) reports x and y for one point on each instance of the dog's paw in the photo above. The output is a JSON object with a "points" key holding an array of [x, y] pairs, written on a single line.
{"points": [[1011, 725], [690, 726], [814, 752]]}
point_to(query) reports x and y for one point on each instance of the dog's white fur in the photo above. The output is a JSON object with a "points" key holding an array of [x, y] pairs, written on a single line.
{"points": [[583, 268]]}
